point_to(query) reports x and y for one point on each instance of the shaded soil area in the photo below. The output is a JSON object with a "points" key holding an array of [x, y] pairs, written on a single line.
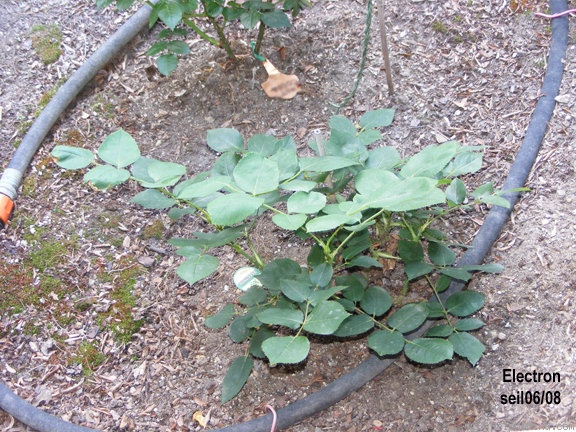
{"points": [[95, 326]]}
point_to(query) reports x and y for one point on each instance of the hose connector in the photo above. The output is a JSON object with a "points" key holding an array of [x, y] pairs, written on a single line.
{"points": [[8, 189], [6, 209]]}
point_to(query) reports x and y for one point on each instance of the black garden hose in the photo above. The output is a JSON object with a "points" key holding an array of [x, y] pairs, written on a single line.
{"points": [[34, 417], [373, 366]]}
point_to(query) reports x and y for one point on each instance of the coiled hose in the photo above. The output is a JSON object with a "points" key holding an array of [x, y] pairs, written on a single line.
{"points": [[373, 366]]}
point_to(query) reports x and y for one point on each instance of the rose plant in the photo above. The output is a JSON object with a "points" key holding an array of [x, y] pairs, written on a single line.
{"points": [[347, 196]]}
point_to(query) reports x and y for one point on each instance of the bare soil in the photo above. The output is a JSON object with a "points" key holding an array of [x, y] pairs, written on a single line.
{"points": [[469, 71]]}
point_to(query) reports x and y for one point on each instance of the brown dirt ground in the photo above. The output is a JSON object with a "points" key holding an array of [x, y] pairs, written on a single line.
{"points": [[462, 70]]}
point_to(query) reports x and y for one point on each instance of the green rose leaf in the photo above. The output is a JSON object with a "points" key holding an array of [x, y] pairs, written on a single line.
{"points": [[157, 48], [456, 191], [469, 324], [250, 19], [278, 270], [256, 175], [213, 8], [236, 377], [327, 222], [289, 222], [197, 267], [463, 163], [170, 13], [400, 195], [287, 161], [105, 176], [124, 4], [119, 149], [488, 268], [408, 318], [376, 301], [265, 145], [467, 346], [429, 350], [371, 181], [103, 3], [225, 139], [166, 64], [286, 349], [72, 157], [325, 163], [178, 32], [364, 261], [459, 273], [225, 164], [383, 158], [321, 275], [178, 47], [152, 173], [377, 118], [441, 330], [354, 325], [435, 309], [341, 128], [368, 137], [295, 290], [306, 202], [325, 318], [253, 296], [319, 295], [256, 341], [153, 199], [465, 303], [385, 342], [299, 185], [291, 318], [275, 19], [356, 286], [440, 254], [240, 328], [205, 241], [221, 318], [430, 161], [410, 251], [494, 200], [233, 208], [414, 270], [203, 188]]}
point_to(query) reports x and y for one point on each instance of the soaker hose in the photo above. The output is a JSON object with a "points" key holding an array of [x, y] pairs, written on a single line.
{"points": [[33, 417], [13, 174], [373, 366]]}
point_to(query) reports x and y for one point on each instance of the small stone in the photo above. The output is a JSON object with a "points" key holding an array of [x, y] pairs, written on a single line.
{"points": [[45, 346], [146, 261], [92, 332]]}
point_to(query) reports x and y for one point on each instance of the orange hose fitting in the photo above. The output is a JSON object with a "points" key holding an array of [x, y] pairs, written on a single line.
{"points": [[6, 209]]}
